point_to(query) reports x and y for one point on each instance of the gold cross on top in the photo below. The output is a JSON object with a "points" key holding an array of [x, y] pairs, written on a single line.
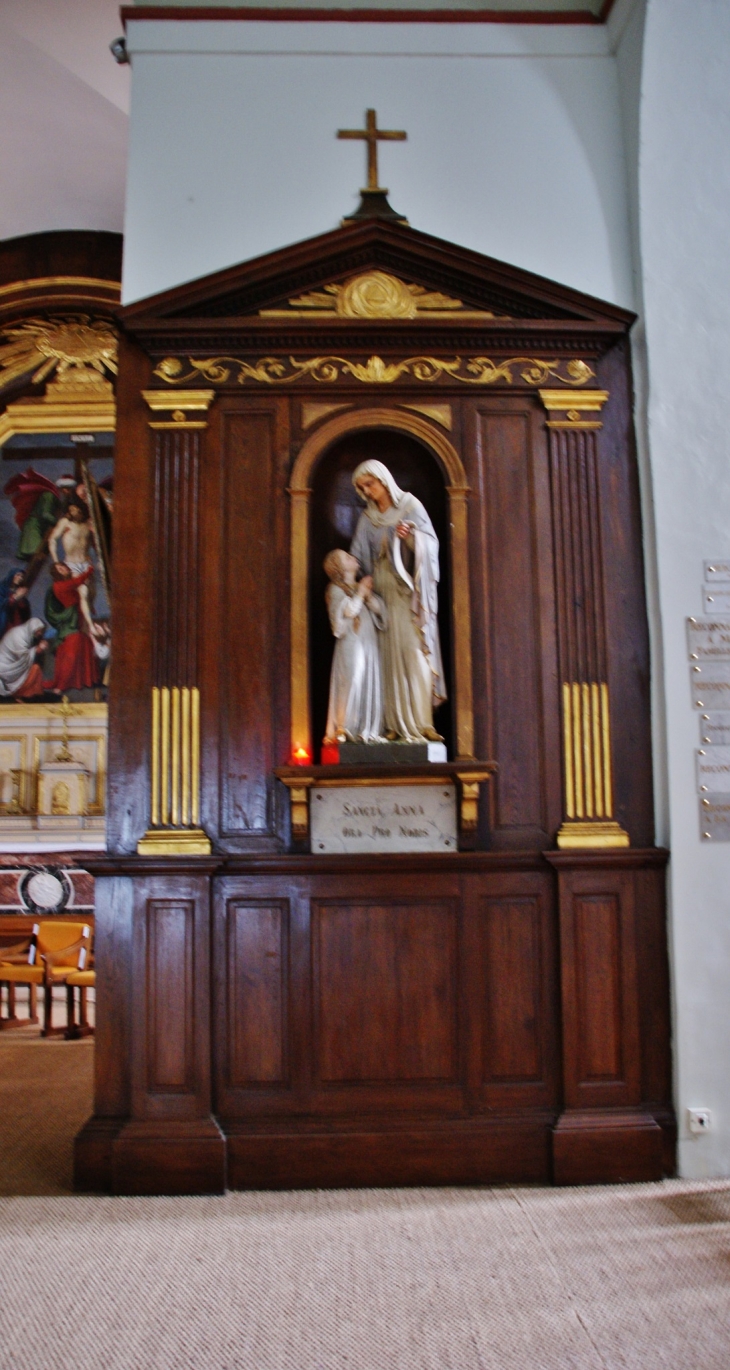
{"points": [[372, 135]]}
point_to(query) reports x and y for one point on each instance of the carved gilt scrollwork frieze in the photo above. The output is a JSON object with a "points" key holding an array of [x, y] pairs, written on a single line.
{"points": [[532, 371]]}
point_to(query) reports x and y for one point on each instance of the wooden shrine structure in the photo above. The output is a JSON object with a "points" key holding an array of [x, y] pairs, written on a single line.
{"points": [[271, 1016]]}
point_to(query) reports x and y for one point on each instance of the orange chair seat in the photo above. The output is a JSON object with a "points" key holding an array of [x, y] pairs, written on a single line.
{"points": [[86, 979], [21, 975]]}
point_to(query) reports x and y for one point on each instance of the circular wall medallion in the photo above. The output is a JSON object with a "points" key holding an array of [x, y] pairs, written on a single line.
{"points": [[45, 889]]}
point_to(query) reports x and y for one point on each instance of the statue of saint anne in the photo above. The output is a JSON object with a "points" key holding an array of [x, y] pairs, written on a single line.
{"points": [[395, 543]]}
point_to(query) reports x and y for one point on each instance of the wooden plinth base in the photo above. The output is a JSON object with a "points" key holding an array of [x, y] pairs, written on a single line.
{"points": [[423, 1154], [93, 1154], [115, 1156], [605, 1147], [169, 1158]]}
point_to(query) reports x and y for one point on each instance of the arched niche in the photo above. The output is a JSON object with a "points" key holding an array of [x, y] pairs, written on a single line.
{"points": [[300, 489]]}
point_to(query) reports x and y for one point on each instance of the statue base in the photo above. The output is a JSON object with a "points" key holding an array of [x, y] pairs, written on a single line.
{"points": [[388, 753]]}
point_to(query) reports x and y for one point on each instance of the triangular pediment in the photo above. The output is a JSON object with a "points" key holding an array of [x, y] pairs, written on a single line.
{"points": [[369, 271]]}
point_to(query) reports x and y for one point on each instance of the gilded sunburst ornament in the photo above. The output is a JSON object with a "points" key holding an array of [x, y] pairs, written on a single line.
{"points": [[75, 347]]}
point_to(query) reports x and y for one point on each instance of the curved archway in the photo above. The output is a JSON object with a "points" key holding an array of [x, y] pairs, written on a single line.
{"points": [[300, 491], [377, 418]]}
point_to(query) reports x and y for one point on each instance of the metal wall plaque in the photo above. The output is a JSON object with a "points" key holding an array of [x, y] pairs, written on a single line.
{"points": [[715, 818], [717, 571], [713, 770], [716, 600], [383, 818], [715, 728], [711, 685], [708, 638]]}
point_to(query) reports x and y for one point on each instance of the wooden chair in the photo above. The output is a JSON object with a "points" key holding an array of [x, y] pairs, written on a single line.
{"points": [[83, 980], [22, 955], [60, 948]]}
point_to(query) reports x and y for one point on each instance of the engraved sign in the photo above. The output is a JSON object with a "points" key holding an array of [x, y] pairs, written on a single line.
{"points": [[717, 571], [713, 770], [708, 638], [715, 728], [715, 818], [383, 818], [711, 685], [716, 600]]}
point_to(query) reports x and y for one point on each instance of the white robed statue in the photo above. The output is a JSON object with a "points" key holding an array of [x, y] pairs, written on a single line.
{"points": [[355, 712], [395, 543]]}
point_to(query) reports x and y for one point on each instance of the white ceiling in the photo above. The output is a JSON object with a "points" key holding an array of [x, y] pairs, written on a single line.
{"points": [[63, 115]]}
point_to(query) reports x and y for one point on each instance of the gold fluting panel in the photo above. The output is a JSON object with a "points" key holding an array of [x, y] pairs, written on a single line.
{"points": [[175, 775], [587, 762]]}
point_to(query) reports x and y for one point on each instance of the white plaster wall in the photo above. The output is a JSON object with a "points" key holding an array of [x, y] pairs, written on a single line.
{"points": [[514, 143], [684, 209]]}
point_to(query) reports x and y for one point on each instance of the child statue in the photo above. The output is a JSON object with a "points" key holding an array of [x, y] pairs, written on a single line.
{"points": [[355, 711]]}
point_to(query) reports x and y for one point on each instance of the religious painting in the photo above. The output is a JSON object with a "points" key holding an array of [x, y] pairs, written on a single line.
{"points": [[55, 565], [380, 601]]}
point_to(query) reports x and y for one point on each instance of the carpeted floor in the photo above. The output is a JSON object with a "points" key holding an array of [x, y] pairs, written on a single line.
{"points": [[46, 1093], [632, 1277], [635, 1277]]}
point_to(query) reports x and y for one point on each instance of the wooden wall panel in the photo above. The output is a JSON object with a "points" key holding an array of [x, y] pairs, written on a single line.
{"points": [[511, 967], [249, 670], [386, 990], [170, 972], [170, 1037], [257, 992], [625, 600], [515, 605], [598, 973], [600, 993], [511, 982]]}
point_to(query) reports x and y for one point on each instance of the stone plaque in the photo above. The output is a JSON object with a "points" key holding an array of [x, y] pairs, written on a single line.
{"points": [[713, 770], [708, 638], [715, 728], [716, 600], [717, 571], [711, 685], [383, 818], [715, 818]]}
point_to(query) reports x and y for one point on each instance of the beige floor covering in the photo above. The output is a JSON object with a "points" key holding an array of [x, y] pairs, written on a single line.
{"points": [[625, 1278], [514, 1279]]}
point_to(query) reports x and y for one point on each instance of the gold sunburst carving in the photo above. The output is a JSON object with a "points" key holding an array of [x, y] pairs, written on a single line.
{"points": [[375, 295], [78, 349]]}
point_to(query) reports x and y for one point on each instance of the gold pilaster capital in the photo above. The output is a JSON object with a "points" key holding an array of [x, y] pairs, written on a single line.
{"points": [[179, 407], [574, 409]]}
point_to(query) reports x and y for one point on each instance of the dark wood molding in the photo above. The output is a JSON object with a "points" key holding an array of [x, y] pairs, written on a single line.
{"points": [[364, 16], [262, 281]]}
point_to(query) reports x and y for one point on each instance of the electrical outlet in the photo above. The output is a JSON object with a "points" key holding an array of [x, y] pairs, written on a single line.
{"points": [[699, 1120]]}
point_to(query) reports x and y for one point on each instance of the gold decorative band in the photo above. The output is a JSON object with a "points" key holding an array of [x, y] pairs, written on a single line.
{"points": [[327, 370], [587, 761], [175, 775]]}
